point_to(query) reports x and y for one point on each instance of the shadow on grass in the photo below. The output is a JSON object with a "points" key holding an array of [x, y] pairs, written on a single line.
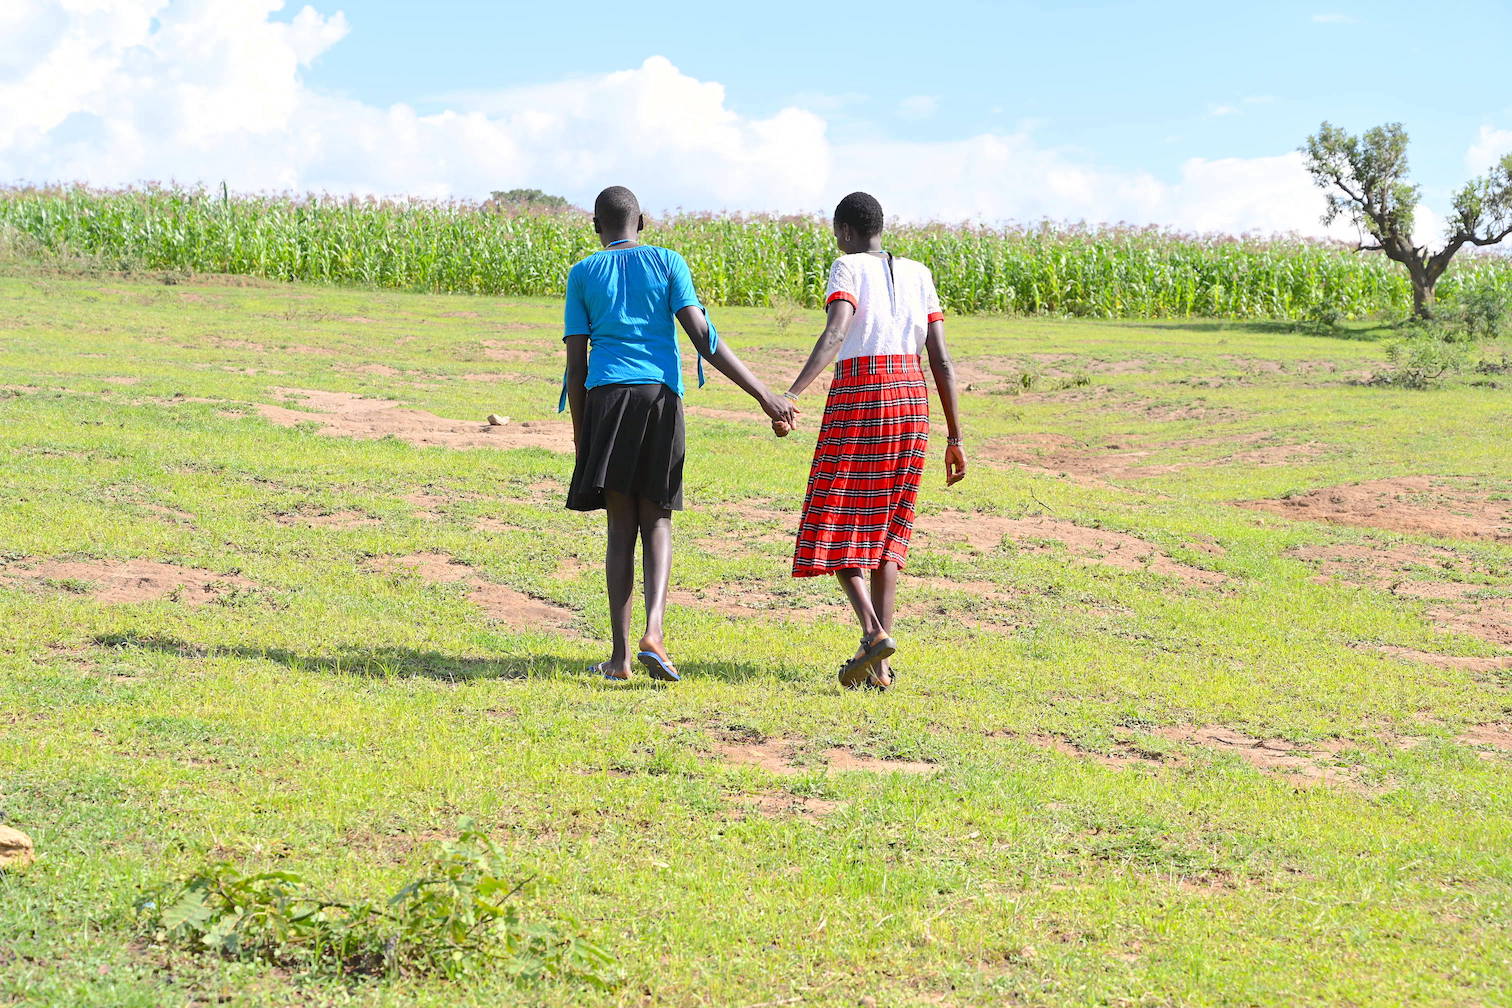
{"points": [[400, 663], [1366, 332]]}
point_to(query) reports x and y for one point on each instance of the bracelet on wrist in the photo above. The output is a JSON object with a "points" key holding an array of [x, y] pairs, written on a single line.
{"points": [[790, 396], [954, 441]]}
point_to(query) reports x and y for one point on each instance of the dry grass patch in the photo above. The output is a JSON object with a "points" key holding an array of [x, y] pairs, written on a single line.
{"points": [[120, 581], [1448, 506], [343, 414]]}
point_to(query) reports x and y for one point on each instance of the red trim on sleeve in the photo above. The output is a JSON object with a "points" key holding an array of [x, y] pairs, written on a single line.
{"points": [[841, 296], [936, 316]]}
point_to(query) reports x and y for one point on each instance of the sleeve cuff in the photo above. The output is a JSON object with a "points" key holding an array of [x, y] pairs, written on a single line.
{"points": [[841, 296], [936, 316]]}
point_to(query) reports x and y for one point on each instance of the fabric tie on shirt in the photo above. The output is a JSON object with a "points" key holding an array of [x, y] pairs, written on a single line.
{"points": [[713, 346]]}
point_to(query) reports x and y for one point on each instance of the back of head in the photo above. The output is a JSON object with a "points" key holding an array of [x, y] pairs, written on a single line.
{"points": [[616, 209], [861, 212]]}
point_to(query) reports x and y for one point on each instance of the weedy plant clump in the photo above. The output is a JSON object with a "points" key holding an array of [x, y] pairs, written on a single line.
{"points": [[462, 917]]}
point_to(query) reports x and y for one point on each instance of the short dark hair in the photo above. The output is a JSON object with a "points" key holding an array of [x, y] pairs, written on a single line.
{"points": [[615, 208], [861, 211]]}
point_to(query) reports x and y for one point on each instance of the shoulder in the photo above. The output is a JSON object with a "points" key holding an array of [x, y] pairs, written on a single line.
{"points": [[582, 266]]}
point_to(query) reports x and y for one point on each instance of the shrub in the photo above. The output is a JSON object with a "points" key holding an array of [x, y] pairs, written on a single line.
{"points": [[1425, 357], [461, 917], [1484, 310]]}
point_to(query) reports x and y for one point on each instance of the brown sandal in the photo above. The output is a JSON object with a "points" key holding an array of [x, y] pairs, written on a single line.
{"points": [[858, 670]]}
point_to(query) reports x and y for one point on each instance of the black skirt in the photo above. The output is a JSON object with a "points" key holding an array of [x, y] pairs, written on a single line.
{"points": [[632, 442]]}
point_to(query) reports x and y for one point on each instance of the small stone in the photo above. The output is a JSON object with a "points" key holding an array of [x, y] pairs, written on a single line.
{"points": [[494, 420], [16, 848], [868, 1002]]}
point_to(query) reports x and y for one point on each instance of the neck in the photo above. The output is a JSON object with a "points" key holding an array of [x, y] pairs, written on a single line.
{"points": [[872, 244], [614, 239]]}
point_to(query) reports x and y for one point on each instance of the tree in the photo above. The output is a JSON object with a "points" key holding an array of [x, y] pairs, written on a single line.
{"points": [[525, 199], [1367, 176]]}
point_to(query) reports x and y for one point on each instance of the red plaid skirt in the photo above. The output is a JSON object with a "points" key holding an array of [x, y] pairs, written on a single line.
{"points": [[859, 509]]}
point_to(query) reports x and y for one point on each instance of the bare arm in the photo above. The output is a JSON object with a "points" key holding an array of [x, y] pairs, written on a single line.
{"points": [[577, 381], [696, 325], [945, 384], [827, 347]]}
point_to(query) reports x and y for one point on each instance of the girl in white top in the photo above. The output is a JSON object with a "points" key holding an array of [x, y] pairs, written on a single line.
{"points": [[858, 513]]}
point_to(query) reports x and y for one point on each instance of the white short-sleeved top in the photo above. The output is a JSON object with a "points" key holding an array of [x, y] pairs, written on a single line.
{"points": [[893, 312]]}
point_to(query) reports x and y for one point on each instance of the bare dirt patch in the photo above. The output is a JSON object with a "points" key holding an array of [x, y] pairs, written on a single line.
{"points": [[1447, 506], [1467, 663], [381, 370], [1494, 740], [570, 568], [121, 581], [1103, 547], [510, 607], [264, 349], [777, 756], [737, 599], [1271, 756], [328, 519], [1129, 458], [782, 805], [1124, 753], [342, 414], [1477, 606]]}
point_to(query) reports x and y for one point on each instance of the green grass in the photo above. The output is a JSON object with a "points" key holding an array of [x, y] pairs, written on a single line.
{"points": [[334, 720], [754, 261]]}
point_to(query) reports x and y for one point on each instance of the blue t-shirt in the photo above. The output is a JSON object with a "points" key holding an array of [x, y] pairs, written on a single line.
{"points": [[626, 302]]}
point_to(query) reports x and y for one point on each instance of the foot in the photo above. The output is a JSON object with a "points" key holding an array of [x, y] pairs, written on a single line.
{"points": [[858, 670], [612, 669], [881, 677], [661, 667]]}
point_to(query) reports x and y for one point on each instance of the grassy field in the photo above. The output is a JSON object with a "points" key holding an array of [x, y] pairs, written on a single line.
{"points": [[1149, 747]]}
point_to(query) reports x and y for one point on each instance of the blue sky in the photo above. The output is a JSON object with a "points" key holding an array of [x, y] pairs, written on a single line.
{"points": [[1178, 114], [1128, 85]]}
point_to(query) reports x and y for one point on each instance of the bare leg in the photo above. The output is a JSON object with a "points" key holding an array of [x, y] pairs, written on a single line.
{"points": [[853, 583], [884, 594], [656, 545], [619, 577]]}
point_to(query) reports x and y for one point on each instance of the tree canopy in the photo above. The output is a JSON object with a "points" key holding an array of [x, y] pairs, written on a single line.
{"points": [[1366, 179]]}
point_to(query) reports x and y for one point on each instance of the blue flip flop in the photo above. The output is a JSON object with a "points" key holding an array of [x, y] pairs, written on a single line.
{"points": [[599, 668], [659, 667]]}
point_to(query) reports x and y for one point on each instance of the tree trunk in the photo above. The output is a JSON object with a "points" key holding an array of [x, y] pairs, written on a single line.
{"points": [[1422, 296]]}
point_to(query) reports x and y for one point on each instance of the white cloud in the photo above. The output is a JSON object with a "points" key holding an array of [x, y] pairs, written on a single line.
{"points": [[1219, 111], [1490, 147], [204, 90], [918, 107], [1343, 19]]}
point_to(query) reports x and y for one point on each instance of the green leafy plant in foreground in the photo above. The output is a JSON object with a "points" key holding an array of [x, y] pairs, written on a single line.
{"points": [[461, 918]]}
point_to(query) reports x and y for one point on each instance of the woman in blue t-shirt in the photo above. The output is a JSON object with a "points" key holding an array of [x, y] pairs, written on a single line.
{"points": [[624, 386]]}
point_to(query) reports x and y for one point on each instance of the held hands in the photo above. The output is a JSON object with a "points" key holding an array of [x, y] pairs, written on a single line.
{"points": [[955, 465], [783, 413]]}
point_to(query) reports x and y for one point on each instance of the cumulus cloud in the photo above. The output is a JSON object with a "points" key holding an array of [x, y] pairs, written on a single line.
{"points": [[210, 90], [1490, 147]]}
